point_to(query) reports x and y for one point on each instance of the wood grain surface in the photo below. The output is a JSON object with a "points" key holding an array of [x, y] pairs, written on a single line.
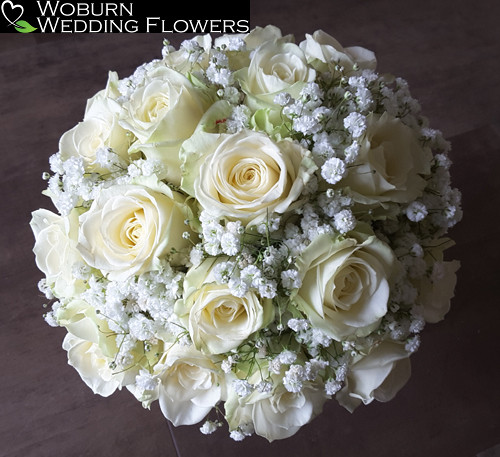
{"points": [[449, 52]]}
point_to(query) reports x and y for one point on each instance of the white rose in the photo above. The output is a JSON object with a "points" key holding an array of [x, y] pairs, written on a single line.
{"points": [[91, 348], [111, 91], [56, 250], [162, 113], [260, 35], [390, 163], [436, 289], [276, 66], [247, 176], [324, 48], [345, 283], [376, 376], [275, 415], [99, 129], [192, 57], [190, 385], [92, 366], [217, 320], [252, 40], [129, 227]]}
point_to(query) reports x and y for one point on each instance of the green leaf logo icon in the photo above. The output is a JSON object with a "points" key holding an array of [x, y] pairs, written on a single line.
{"points": [[13, 14], [24, 27]]}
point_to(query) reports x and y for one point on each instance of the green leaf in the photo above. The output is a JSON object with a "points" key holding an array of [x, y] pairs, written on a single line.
{"points": [[24, 27]]}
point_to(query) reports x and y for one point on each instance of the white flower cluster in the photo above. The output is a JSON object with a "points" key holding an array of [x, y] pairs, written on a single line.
{"points": [[248, 221]]}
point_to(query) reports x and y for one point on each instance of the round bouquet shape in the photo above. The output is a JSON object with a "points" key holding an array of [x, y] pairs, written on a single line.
{"points": [[247, 227]]}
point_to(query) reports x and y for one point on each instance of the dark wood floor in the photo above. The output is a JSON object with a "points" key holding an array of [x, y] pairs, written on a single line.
{"points": [[449, 51]]}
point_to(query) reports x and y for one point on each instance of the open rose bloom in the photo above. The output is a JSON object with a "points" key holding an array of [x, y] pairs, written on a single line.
{"points": [[246, 228]]}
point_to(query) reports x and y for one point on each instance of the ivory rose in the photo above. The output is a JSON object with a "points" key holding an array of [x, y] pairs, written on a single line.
{"points": [[321, 47], [190, 385], [128, 227], [275, 414], [246, 176], [190, 62], [162, 113], [276, 66], [345, 283], [91, 348], [390, 163], [252, 40], [56, 250], [379, 375], [217, 320], [436, 289], [91, 364], [99, 129]]}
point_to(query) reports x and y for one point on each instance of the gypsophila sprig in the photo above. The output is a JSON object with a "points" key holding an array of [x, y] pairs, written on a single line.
{"points": [[248, 222]]}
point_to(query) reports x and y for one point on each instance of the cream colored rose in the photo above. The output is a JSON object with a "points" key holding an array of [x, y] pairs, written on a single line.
{"points": [[192, 58], [255, 38], [277, 414], [129, 227], [324, 48], [99, 129], [378, 375], [276, 66], [436, 289], [91, 348], [260, 35], [92, 366], [190, 385], [217, 320], [162, 113], [55, 250], [111, 92], [247, 176], [390, 163], [345, 284]]}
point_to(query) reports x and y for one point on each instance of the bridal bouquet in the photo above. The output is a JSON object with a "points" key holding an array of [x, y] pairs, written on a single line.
{"points": [[247, 227]]}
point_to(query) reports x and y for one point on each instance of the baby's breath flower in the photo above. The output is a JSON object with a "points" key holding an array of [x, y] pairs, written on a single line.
{"points": [[290, 279], [239, 118], [228, 363], [210, 427], [223, 272], [333, 170], [237, 435], [51, 319], [332, 387], [45, 289], [344, 221], [351, 152], [283, 99], [298, 325], [416, 211], [264, 387], [294, 378], [196, 255], [145, 381], [238, 287], [242, 387], [251, 275], [268, 288], [413, 344], [287, 357], [230, 244], [192, 50], [355, 123]]}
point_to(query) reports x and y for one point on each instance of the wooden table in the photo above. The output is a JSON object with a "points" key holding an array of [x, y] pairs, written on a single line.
{"points": [[449, 52]]}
